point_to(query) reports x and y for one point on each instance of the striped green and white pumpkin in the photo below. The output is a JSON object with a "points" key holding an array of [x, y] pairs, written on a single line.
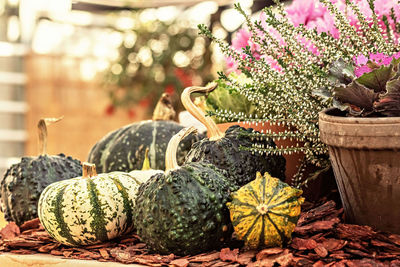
{"points": [[89, 209]]}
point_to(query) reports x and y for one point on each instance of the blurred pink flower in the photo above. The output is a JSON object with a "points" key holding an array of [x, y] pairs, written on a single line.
{"points": [[314, 15], [240, 41]]}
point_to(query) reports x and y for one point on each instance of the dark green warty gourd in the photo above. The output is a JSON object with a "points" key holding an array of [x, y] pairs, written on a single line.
{"points": [[23, 182], [225, 150], [183, 211], [124, 149]]}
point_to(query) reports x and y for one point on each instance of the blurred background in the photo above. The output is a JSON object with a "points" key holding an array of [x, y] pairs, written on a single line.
{"points": [[101, 64]]}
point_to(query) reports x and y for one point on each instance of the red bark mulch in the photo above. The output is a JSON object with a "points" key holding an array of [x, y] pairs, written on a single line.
{"points": [[320, 239]]}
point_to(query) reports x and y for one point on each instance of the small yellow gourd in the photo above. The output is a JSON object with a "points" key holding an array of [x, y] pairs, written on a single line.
{"points": [[265, 211]]}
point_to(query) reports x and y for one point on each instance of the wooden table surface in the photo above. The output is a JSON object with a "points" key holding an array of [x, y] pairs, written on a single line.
{"points": [[46, 260]]}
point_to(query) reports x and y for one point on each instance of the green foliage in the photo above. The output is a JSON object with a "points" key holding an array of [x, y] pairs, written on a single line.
{"points": [[227, 98]]}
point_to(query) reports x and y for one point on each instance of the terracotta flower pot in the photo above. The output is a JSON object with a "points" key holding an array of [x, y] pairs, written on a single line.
{"points": [[366, 161], [292, 161]]}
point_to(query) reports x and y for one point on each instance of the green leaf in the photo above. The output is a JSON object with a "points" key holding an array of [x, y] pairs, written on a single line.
{"points": [[357, 95], [389, 103], [377, 79]]}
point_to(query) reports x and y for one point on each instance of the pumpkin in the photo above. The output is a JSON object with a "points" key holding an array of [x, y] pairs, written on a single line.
{"points": [[183, 211], [23, 182], [123, 149], [227, 150], [89, 209], [146, 172], [264, 212]]}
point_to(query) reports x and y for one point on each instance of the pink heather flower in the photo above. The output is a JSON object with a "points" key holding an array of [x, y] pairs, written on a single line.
{"points": [[361, 70], [360, 60], [312, 14], [379, 59], [376, 57], [241, 40]]}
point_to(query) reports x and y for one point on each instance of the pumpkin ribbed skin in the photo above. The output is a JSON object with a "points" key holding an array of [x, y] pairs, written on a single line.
{"points": [[23, 183], [124, 149], [82, 211], [184, 212], [242, 165], [265, 212]]}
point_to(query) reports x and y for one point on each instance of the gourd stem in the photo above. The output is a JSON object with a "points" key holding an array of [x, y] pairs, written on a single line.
{"points": [[146, 161], [171, 162], [211, 126], [88, 170], [42, 130], [164, 111]]}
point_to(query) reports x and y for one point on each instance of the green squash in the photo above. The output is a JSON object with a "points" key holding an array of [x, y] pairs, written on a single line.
{"points": [[89, 209], [123, 149], [227, 150], [264, 212], [183, 211], [23, 182]]}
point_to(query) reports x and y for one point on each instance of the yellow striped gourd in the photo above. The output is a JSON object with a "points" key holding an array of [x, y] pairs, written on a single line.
{"points": [[265, 211]]}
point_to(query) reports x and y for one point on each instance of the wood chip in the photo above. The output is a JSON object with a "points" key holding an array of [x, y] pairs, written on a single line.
{"points": [[321, 251], [48, 247], [317, 213], [317, 226], [352, 231], [364, 263], [340, 255], [303, 244], [180, 263], [56, 252], [104, 253], [10, 231], [28, 225], [358, 253], [246, 257], [205, 257], [22, 243], [395, 239], [379, 243], [23, 251], [101, 245], [268, 252], [333, 244], [284, 259], [319, 264], [229, 255], [395, 263], [67, 253], [128, 240]]}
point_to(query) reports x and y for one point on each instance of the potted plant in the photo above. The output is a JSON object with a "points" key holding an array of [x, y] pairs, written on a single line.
{"points": [[291, 70], [363, 136]]}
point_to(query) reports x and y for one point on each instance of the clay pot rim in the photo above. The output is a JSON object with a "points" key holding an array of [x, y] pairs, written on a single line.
{"points": [[355, 120]]}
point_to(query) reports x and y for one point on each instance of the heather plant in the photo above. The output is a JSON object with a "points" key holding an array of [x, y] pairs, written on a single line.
{"points": [[292, 71]]}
